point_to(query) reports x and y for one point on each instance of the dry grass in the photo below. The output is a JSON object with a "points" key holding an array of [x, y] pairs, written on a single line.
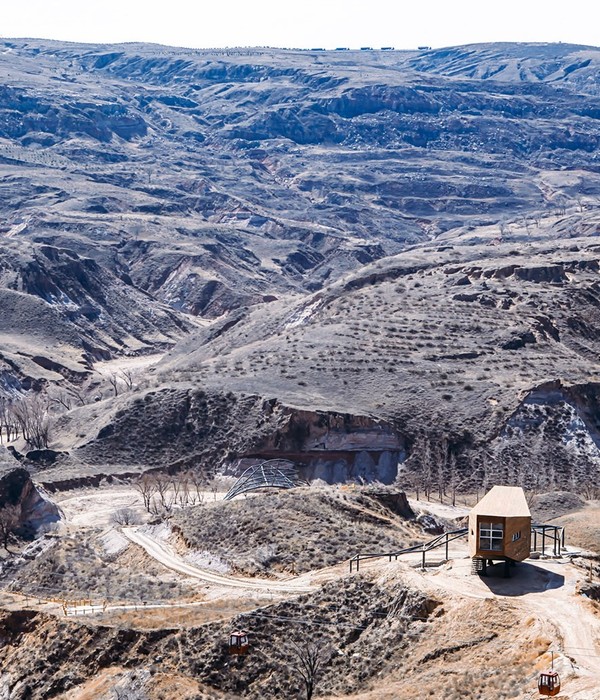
{"points": [[78, 568], [294, 531]]}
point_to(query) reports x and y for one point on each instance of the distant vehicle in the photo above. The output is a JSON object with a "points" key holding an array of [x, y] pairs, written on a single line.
{"points": [[424, 48], [387, 48], [366, 48], [342, 48], [317, 49]]}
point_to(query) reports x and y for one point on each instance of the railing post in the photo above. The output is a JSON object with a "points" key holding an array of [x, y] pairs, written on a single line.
{"points": [[543, 539], [423, 564]]}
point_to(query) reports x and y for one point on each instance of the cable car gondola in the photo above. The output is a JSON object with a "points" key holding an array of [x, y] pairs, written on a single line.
{"points": [[549, 682], [238, 643]]}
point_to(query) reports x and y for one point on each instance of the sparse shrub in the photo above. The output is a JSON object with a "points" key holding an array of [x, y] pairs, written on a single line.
{"points": [[125, 517]]}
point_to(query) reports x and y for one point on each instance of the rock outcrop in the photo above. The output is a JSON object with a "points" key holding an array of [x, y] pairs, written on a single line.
{"points": [[17, 489]]}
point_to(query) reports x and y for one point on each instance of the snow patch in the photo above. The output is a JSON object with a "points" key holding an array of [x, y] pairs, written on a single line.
{"points": [[207, 560], [113, 542], [302, 315], [162, 531]]}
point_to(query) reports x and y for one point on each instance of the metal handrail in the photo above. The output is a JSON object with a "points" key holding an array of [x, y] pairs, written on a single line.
{"points": [[441, 540]]}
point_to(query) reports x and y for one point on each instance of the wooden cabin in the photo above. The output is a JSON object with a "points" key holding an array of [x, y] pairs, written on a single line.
{"points": [[500, 527]]}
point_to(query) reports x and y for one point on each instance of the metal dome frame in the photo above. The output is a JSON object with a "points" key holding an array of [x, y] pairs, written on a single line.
{"points": [[272, 473]]}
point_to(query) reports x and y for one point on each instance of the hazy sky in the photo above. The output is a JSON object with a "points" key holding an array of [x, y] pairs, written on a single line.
{"points": [[304, 23]]}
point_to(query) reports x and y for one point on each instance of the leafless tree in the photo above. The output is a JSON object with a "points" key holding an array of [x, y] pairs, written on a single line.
{"points": [[32, 417], [146, 487], [198, 483], [452, 477], [113, 380], [419, 464], [61, 398], [67, 397], [440, 455], [164, 488], [10, 517], [426, 467], [186, 495], [125, 517], [307, 660], [8, 425], [127, 377]]}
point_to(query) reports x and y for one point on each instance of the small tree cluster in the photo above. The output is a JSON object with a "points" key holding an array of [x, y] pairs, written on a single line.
{"points": [[27, 417], [162, 492], [9, 427], [117, 381], [433, 466]]}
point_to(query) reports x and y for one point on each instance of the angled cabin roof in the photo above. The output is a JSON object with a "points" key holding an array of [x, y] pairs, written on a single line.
{"points": [[504, 502]]}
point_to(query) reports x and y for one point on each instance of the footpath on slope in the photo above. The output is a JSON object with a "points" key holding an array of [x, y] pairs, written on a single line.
{"points": [[165, 554]]}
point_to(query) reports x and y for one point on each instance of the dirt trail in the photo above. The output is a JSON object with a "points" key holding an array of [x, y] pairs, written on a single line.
{"points": [[165, 554], [545, 590], [127, 364]]}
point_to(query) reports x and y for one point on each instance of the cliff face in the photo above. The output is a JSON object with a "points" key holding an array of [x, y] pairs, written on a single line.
{"points": [[16, 488], [552, 440], [336, 447], [181, 428]]}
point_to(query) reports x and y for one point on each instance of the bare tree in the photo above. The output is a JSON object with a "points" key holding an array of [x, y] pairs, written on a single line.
{"points": [[452, 477], [113, 380], [32, 417], [146, 487], [184, 492], [440, 456], [307, 660], [127, 377], [427, 467], [10, 518], [61, 398], [67, 397], [164, 488], [7, 423], [198, 482], [125, 517]]}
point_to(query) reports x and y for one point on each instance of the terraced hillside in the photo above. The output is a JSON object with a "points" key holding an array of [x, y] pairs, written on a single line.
{"points": [[407, 239]]}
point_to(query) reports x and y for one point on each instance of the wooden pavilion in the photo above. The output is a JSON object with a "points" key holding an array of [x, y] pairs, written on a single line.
{"points": [[500, 528]]}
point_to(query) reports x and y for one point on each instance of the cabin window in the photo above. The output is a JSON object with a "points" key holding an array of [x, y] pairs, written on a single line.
{"points": [[516, 536], [491, 536]]}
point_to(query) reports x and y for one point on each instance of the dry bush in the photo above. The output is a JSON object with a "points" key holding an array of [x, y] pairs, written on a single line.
{"points": [[294, 530]]}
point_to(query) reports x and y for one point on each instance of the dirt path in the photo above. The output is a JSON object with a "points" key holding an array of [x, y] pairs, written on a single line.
{"points": [[127, 364], [94, 508], [545, 590], [165, 554]]}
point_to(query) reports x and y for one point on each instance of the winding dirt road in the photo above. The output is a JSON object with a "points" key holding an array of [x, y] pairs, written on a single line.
{"points": [[165, 554]]}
